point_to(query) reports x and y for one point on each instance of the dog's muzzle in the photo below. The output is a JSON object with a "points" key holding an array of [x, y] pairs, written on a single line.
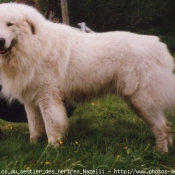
{"points": [[3, 50]]}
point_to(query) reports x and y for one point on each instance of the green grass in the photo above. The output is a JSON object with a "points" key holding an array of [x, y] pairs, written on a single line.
{"points": [[104, 134]]}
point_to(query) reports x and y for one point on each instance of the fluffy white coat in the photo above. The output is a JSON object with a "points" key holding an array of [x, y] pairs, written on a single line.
{"points": [[44, 64]]}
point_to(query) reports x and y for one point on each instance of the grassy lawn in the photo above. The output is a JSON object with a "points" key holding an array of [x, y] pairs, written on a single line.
{"points": [[104, 135]]}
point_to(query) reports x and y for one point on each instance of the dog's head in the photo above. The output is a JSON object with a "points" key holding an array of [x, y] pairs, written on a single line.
{"points": [[16, 21]]}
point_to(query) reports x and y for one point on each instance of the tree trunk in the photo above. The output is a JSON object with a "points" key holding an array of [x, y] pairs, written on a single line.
{"points": [[65, 14]]}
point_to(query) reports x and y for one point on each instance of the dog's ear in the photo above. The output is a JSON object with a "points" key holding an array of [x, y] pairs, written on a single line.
{"points": [[32, 27]]}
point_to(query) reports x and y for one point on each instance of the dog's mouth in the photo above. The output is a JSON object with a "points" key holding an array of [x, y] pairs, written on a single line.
{"points": [[4, 51]]}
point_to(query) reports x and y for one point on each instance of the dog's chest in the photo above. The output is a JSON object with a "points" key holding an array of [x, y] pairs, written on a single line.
{"points": [[14, 87]]}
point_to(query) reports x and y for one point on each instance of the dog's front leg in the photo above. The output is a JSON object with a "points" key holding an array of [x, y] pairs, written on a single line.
{"points": [[35, 122], [55, 119]]}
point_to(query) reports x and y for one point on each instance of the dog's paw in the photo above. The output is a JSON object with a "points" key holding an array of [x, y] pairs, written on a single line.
{"points": [[34, 140], [55, 143]]}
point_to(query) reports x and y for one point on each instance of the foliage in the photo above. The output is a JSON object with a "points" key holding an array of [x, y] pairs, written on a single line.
{"points": [[102, 15], [122, 14], [44, 5], [104, 134]]}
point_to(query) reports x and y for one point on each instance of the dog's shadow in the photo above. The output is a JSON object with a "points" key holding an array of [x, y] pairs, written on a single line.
{"points": [[118, 132]]}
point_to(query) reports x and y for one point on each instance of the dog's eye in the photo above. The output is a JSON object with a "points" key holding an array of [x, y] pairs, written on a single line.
{"points": [[10, 24]]}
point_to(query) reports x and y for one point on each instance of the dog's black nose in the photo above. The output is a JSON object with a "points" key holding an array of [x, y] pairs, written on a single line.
{"points": [[2, 42]]}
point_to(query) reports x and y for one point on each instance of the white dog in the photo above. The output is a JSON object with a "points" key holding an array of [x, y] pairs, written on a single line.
{"points": [[44, 64]]}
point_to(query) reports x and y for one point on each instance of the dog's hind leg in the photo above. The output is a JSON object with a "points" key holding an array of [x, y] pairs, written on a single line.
{"points": [[35, 122], [156, 120], [55, 119]]}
